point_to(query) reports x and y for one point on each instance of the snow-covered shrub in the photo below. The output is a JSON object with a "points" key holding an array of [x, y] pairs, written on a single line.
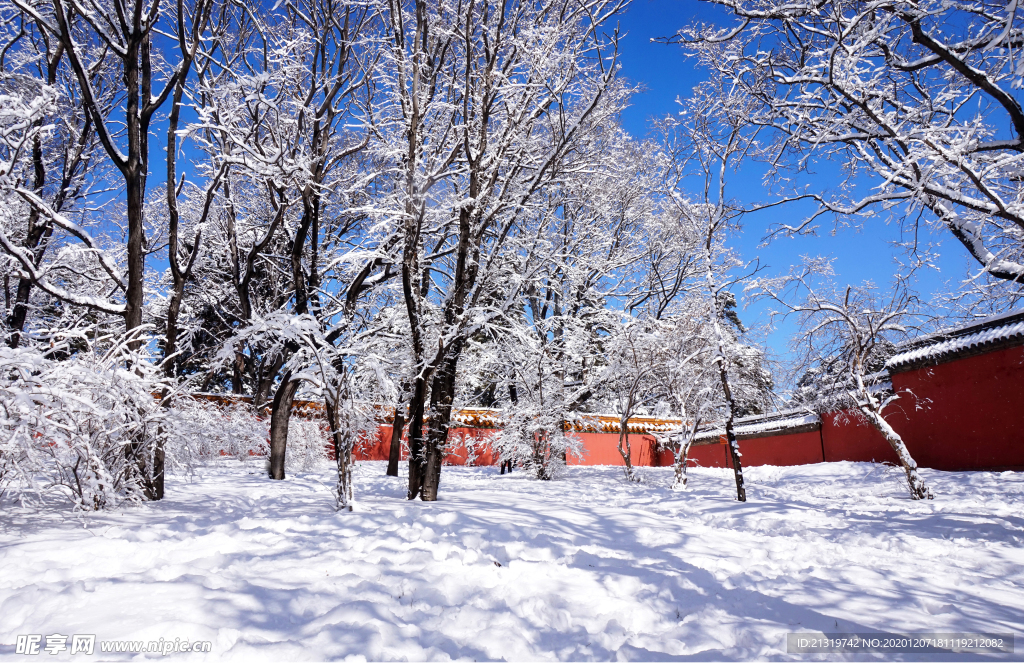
{"points": [[307, 444], [199, 430], [536, 442], [86, 427], [473, 448]]}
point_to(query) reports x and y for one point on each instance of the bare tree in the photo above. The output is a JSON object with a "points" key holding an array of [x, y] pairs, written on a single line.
{"points": [[716, 139], [847, 327], [914, 96], [91, 37], [288, 113], [488, 111], [62, 164], [688, 379], [636, 352]]}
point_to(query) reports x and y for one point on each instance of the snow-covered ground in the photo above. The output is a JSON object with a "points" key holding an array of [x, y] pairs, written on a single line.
{"points": [[503, 567]]}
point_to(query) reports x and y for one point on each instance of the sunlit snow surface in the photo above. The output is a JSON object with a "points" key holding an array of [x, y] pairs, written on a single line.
{"points": [[591, 567]]}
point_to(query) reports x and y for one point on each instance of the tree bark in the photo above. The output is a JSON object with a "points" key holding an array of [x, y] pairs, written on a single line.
{"points": [[918, 489], [624, 447], [442, 393], [280, 414], [680, 469], [395, 454], [730, 433], [417, 461]]}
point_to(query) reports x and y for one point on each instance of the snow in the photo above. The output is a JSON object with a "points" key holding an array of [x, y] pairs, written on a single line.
{"points": [[591, 567], [922, 350], [759, 424]]}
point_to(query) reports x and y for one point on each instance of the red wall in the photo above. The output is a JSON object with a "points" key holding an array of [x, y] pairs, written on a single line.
{"points": [[973, 416], [850, 437], [457, 452], [603, 449], [961, 415], [796, 449], [377, 447]]}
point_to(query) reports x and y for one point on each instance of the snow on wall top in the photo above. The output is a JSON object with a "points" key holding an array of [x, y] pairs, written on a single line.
{"points": [[777, 422], [952, 342]]}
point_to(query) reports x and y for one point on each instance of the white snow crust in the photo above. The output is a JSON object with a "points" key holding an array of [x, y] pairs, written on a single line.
{"points": [[953, 345], [771, 423], [586, 567]]}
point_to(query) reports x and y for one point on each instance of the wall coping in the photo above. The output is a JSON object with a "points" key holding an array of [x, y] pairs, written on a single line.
{"points": [[783, 422], [987, 335]]}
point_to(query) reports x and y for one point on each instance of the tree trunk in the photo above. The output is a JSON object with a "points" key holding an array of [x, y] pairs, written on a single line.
{"points": [[34, 242], [179, 275], [395, 454], [682, 451], [342, 456], [682, 455], [265, 381], [513, 397], [918, 489], [437, 435], [417, 461], [280, 414], [156, 485], [237, 370], [730, 434], [624, 448], [171, 335], [540, 461], [37, 238], [442, 394]]}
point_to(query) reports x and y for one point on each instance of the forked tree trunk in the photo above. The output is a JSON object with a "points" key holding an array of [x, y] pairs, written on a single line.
{"points": [[682, 454], [682, 451], [918, 489], [280, 414], [265, 380]]}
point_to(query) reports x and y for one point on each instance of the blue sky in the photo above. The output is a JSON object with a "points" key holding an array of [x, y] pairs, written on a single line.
{"points": [[861, 253]]}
